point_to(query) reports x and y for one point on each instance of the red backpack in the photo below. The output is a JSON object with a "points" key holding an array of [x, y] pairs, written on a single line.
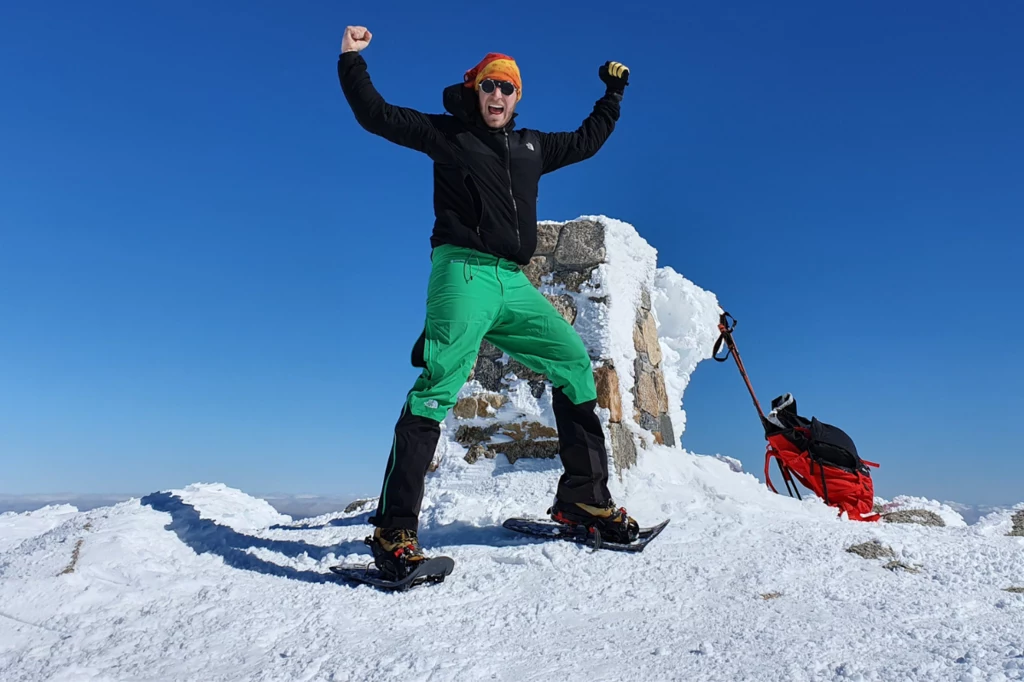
{"points": [[819, 456]]}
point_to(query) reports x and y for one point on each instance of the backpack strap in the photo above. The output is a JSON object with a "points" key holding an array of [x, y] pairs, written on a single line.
{"points": [[787, 476], [767, 463]]}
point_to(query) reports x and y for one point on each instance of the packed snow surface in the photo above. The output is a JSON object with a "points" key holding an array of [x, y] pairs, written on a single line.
{"points": [[207, 583]]}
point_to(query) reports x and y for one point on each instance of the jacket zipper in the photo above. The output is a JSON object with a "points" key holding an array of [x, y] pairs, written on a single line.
{"points": [[515, 208]]}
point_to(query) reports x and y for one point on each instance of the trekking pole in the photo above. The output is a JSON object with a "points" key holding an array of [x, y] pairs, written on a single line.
{"points": [[726, 324]]}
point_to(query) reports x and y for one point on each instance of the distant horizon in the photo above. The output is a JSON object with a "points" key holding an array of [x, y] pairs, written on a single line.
{"points": [[306, 505]]}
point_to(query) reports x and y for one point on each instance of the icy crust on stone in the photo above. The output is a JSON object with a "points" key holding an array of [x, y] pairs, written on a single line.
{"points": [[687, 318]]}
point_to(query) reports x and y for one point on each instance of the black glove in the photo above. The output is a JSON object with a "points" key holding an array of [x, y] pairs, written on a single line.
{"points": [[615, 76]]}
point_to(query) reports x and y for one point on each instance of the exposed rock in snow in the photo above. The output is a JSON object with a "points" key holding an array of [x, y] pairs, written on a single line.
{"points": [[871, 550], [1018, 524], [922, 517], [919, 508]]}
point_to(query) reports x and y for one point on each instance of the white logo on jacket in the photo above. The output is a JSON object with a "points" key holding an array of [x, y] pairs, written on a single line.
{"points": [[529, 145]]}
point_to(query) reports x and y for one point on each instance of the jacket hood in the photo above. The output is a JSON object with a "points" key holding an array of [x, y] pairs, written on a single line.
{"points": [[461, 102]]}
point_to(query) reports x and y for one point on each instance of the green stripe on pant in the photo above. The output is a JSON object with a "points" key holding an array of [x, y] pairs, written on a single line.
{"points": [[473, 296]]}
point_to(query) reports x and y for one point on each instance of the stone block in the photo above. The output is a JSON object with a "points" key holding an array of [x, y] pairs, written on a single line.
{"points": [[580, 245]]}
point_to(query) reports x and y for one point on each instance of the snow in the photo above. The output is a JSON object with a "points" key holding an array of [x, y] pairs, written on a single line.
{"points": [[687, 318], [210, 583], [16, 527], [999, 522], [743, 584]]}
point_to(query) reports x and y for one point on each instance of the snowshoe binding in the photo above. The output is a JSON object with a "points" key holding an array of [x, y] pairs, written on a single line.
{"points": [[611, 523], [399, 562], [396, 552]]}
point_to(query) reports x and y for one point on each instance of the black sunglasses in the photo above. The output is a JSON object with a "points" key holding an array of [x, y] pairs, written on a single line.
{"points": [[489, 84]]}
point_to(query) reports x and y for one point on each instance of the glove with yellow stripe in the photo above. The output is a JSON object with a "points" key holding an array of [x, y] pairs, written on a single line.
{"points": [[615, 76]]}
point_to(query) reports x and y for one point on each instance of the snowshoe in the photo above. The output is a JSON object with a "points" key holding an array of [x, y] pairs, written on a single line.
{"points": [[580, 534], [428, 571], [600, 527]]}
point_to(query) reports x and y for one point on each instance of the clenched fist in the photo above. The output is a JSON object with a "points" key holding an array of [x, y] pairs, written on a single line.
{"points": [[615, 75], [356, 39]]}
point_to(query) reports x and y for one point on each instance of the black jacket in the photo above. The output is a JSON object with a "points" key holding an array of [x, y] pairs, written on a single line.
{"points": [[485, 181]]}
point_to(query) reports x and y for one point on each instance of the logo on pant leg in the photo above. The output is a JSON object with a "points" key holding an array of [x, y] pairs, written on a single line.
{"points": [[431, 404]]}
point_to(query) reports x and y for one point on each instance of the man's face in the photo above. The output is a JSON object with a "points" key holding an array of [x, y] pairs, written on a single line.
{"points": [[496, 107]]}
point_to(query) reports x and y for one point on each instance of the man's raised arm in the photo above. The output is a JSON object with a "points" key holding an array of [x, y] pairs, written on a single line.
{"points": [[403, 126], [562, 149]]}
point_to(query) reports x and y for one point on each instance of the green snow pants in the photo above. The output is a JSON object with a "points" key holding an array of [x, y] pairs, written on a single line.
{"points": [[473, 296]]}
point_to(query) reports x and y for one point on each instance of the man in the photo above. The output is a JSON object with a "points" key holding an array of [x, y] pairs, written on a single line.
{"points": [[486, 175]]}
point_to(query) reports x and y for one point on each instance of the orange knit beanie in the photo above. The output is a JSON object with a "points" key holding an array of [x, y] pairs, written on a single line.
{"points": [[497, 66]]}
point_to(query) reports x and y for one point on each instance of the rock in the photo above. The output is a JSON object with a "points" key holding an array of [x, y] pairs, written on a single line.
{"points": [[490, 351], [565, 305], [489, 374], [475, 453], [527, 449], [580, 245], [488, 402], [647, 398], [872, 550], [659, 386], [519, 431], [642, 365], [1018, 524], [645, 338], [522, 371], [547, 238], [922, 517], [648, 421], [472, 435], [537, 268], [571, 279], [465, 408], [537, 387], [357, 505], [608, 395], [668, 434], [1015, 590], [623, 447]]}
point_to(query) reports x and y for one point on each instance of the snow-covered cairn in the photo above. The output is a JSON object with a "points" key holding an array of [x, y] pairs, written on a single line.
{"points": [[603, 278]]}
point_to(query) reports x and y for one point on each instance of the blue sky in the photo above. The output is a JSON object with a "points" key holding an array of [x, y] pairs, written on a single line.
{"points": [[208, 271]]}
